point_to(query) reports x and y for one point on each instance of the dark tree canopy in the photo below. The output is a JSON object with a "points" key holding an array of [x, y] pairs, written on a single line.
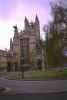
{"points": [[55, 33]]}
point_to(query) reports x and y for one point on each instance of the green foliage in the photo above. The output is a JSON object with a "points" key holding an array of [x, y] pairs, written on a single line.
{"points": [[54, 52], [54, 47], [3, 67]]}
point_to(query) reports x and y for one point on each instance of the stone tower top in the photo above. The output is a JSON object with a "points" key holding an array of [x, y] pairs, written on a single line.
{"points": [[36, 20], [26, 22]]}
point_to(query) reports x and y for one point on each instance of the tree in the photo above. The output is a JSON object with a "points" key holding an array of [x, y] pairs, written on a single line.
{"points": [[54, 46]]}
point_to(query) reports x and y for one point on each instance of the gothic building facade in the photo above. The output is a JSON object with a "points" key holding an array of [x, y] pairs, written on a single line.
{"points": [[25, 47]]}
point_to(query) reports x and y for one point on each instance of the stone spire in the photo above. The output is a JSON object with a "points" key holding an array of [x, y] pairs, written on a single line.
{"points": [[37, 28], [26, 22], [36, 20]]}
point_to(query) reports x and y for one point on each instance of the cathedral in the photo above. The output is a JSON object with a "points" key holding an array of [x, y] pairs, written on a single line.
{"points": [[25, 46]]}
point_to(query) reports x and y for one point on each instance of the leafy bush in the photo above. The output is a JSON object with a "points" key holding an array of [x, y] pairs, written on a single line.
{"points": [[3, 67]]}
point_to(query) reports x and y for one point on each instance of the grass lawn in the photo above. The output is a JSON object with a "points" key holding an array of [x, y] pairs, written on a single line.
{"points": [[38, 75]]}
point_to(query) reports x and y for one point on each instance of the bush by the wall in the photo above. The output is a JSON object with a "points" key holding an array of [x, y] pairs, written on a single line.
{"points": [[3, 67]]}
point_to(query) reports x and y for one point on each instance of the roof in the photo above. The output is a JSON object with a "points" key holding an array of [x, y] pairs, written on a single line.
{"points": [[3, 53]]}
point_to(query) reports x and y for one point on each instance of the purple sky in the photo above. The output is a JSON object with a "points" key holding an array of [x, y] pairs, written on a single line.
{"points": [[14, 11]]}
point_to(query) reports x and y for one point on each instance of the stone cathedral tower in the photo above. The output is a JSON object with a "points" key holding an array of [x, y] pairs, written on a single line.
{"points": [[25, 47]]}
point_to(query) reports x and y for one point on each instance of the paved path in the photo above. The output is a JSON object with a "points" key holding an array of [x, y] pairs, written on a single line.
{"points": [[35, 86]]}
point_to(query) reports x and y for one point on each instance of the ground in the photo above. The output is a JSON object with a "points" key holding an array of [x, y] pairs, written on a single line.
{"points": [[20, 86], [37, 75]]}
